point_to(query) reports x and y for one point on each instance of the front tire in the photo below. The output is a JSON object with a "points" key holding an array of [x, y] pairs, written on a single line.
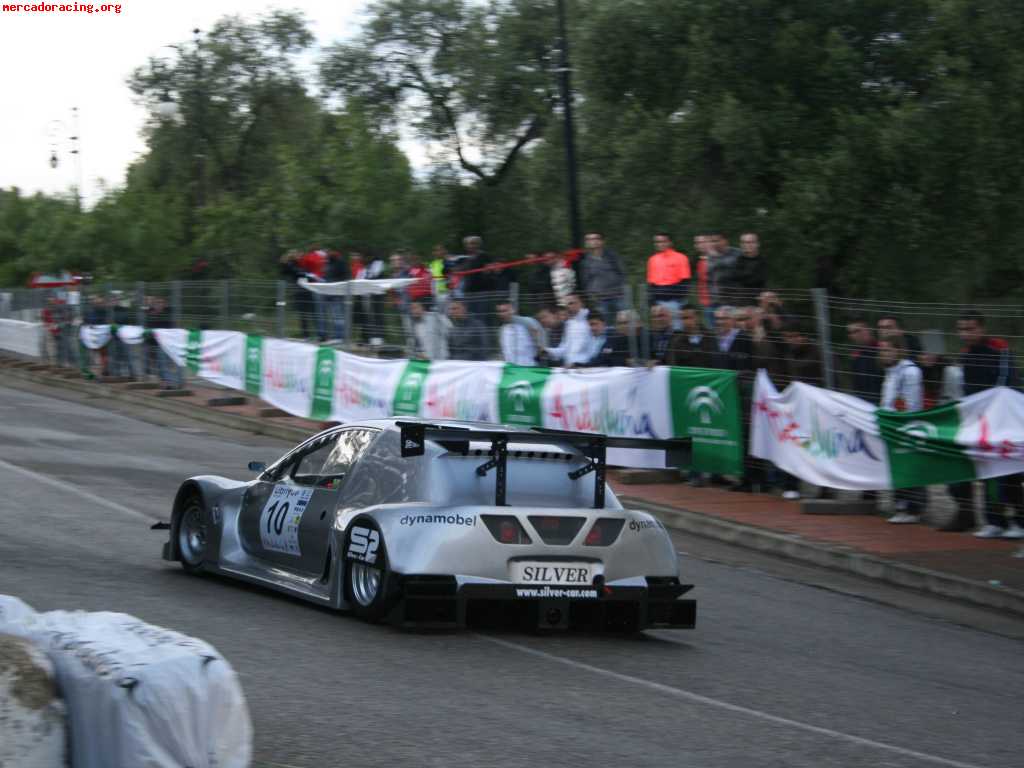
{"points": [[191, 534], [369, 582]]}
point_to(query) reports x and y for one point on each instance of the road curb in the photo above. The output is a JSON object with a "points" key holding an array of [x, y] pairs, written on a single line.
{"points": [[835, 558]]}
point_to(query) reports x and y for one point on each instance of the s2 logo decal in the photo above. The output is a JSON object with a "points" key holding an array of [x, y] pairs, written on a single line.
{"points": [[362, 545]]}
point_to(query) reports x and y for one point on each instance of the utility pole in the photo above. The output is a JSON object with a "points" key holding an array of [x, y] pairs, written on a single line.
{"points": [[564, 71]]}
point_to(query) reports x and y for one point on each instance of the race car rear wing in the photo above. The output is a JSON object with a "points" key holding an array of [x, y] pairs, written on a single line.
{"points": [[456, 440]]}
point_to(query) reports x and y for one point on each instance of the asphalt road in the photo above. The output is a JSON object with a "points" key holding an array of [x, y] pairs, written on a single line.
{"points": [[778, 672]]}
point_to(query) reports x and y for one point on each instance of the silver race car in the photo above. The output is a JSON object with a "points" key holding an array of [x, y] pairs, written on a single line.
{"points": [[449, 524]]}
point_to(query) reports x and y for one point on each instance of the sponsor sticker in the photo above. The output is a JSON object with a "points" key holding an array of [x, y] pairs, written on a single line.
{"points": [[520, 395], [409, 390], [468, 520], [546, 572], [363, 544], [644, 525], [574, 594]]}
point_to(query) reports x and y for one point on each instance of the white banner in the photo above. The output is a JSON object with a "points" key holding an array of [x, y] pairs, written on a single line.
{"points": [[21, 337], [325, 384], [458, 389], [173, 341], [222, 358], [625, 402], [287, 375], [364, 387], [358, 287], [823, 437]]}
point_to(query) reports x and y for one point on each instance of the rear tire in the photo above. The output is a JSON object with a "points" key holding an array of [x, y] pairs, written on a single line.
{"points": [[370, 586], [190, 533]]}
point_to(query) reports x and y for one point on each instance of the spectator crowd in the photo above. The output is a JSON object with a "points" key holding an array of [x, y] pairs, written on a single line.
{"points": [[715, 310]]}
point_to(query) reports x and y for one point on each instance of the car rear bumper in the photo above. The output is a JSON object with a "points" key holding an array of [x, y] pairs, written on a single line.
{"points": [[439, 602]]}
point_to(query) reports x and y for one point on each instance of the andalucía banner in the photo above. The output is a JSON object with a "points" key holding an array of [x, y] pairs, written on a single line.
{"points": [[325, 384], [839, 441]]}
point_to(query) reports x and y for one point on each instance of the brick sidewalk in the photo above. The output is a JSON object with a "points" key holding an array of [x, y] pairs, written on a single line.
{"points": [[957, 554]]}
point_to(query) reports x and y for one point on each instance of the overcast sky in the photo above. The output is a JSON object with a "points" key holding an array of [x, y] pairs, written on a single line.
{"points": [[51, 62]]}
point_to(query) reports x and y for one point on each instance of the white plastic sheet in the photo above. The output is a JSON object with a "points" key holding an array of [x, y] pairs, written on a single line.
{"points": [[138, 694], [360, 287]]}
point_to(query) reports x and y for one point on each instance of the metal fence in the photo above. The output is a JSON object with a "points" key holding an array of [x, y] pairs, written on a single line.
{"points": [[387, 324], [795, 334]]}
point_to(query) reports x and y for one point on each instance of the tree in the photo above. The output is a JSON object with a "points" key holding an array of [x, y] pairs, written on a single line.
{"points": [[475, 77]]}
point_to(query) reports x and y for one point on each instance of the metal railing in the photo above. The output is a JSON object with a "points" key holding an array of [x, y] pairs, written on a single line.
{"points": [[795, 334], [387, 324]]}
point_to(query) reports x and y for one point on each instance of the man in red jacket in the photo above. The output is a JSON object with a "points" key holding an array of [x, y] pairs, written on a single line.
{"points": [[423, 289], [314, 264]]}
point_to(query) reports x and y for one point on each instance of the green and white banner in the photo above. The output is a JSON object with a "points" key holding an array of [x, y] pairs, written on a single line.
{"points": [[839, 441], [329, 385]]}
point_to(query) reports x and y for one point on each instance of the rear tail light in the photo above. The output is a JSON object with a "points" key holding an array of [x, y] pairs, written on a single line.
{"points": [[508, 532], [556, 530], [605, 531], [506, 529]]}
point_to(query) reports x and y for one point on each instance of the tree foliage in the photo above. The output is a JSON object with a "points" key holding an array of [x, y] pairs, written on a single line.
{"points": [[475, 77], [866, 141]]}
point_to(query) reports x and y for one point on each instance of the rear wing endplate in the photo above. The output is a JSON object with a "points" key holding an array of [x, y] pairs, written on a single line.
{"points": [[456, 440]]}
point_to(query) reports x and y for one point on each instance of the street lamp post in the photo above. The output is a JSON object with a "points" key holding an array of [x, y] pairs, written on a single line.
{"points": [[56, 129], [575, 235]]}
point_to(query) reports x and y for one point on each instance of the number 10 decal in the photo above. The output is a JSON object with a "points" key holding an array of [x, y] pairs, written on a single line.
{"points": [[281, 517], [276, 516]]}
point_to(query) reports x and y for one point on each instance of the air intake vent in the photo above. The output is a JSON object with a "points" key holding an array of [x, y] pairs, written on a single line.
{"points": [[556, 530]]}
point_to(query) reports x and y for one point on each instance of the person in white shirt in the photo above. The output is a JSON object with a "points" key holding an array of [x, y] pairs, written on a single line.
{"points": [[521, 337], [429, 333], [577, 343], [902, 390]]}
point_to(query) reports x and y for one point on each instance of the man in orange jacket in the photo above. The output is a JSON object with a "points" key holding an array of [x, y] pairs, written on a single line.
{"points": [[668, 275]]}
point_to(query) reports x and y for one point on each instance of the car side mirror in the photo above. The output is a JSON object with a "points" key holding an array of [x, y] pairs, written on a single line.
{"points": [[257, 466]]}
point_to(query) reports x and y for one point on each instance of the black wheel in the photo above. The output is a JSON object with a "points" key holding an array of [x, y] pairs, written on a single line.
{"points": [[369, 583], [190, 533]]}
